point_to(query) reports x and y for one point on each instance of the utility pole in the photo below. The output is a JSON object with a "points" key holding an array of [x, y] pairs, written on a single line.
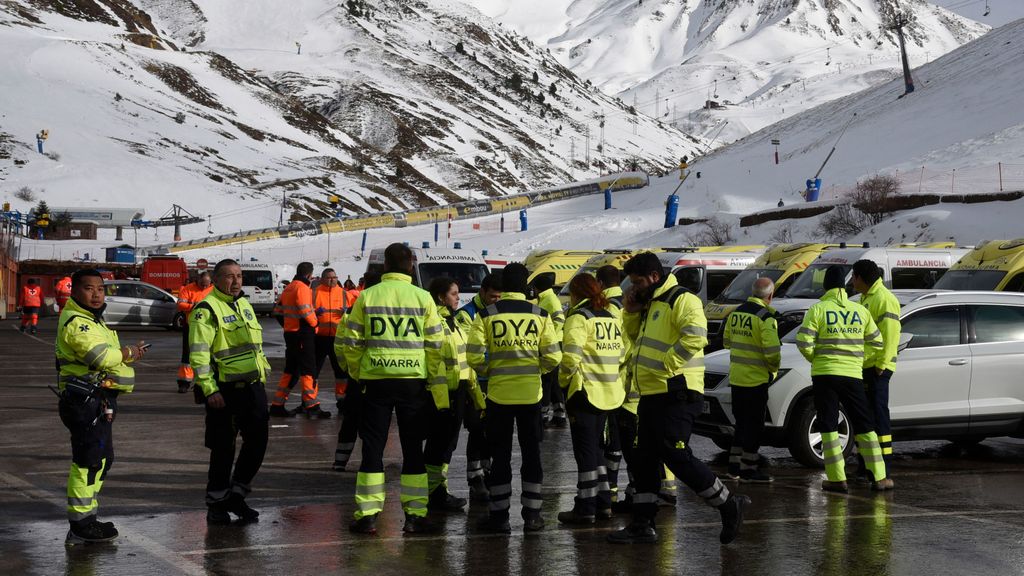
{"points": [[588, 145], [572, 155], [901, 20], [657, 103], [635, 121], [601, 141], [284, 197]]}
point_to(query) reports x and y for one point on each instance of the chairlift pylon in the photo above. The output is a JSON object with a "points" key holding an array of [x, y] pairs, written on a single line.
{"points": [[828, 56], [988, 9]]}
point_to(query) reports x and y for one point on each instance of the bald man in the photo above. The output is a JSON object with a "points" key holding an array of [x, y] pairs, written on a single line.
{"points": [[752, 337]]}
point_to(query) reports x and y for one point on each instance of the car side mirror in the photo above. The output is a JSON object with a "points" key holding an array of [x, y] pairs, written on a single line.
{"points": [[905, 338]]}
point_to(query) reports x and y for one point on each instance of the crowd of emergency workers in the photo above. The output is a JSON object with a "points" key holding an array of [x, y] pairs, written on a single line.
{"points": [[624, 372]]}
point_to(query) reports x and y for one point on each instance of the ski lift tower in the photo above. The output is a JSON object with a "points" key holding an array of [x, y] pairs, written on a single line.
{"points": [[900, 21], [176, 216]]}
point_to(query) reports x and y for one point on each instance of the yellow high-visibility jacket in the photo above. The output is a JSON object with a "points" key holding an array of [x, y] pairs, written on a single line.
{"points": [[86, 347], [885, 311], [393, 331], [752, 337], [225, 343], [669, 336], [838, 337], [592, 354], [512, 342], [549, 302]]}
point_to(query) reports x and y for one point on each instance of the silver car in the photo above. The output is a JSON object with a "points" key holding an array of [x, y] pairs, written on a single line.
{"points": [[136, 303], [959, 378]]}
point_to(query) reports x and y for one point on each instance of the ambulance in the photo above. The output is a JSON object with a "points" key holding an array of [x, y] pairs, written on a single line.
{"points": [[783, 263], [994, 265], [902, 268], [466, 268], [706, 273], [561, 265]]}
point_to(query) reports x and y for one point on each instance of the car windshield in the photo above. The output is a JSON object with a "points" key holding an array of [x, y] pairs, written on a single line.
{"points": [[970, 280], [592, 270], [740, 288], [467, 276], [811, 284], [261, 279]]}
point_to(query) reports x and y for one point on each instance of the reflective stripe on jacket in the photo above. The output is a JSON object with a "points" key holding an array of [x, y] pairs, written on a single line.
{"points": [[225, 342], [393, 331], [592, 354], [330, 305], [669, 337], [752, 337], [511, 343], [838, 337], [885, 311], [296, 305], [86, 347]]}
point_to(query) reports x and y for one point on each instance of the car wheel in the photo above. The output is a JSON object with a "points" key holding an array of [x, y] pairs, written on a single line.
{"points": [[179, 321], [805, 439]]}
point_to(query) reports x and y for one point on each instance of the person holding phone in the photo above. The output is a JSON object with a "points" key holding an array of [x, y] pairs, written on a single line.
{"points": [[94, 369]]}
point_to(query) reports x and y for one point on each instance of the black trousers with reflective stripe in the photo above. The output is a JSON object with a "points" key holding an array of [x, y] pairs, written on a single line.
{"points": [[829, 392], [500, 421], [444, 427], [621, 435], [245, 412], [748, 406], [409, 400], [664, 424], [553, 398], [476, 441], [299, 353], [586, 424]]}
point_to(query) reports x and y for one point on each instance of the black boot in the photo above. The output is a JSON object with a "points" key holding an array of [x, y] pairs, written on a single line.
{"points": [[90, 532], [419, 525], [237, 506], [495, 524], [478, 491], [317, 412], [732, 517], [364, 525], [532, 521], [217, 515], [280, 411], [442, 501], [574, 518], [637, 532]]}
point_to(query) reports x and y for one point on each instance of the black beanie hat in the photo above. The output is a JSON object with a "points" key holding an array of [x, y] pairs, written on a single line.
{"points": [[835, 277]]}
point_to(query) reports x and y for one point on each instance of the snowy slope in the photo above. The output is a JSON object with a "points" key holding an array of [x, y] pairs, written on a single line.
{"points": [[764, 60], [379, 108], [1000, 11]]}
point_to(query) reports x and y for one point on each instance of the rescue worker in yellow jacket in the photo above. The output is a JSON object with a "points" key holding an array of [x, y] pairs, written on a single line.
{"points": [[839, 337], [669, 331], [512, 343], [885, 311], [93, 369], [392, 343], [188, 296], [231, 372], [621, 427], [592, 353], [752, 337], [553, 403], [449, 391], [478, 456]]}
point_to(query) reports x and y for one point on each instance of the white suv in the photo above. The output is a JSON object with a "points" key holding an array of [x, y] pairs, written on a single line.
{"points": [[959, 378]]}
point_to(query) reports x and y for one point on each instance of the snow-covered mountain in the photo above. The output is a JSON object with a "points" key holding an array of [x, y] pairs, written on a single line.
{"points": [[759, 60], [223, 105]]}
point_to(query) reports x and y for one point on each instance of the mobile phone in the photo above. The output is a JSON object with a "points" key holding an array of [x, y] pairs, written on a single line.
{"points": [[145, 347]]}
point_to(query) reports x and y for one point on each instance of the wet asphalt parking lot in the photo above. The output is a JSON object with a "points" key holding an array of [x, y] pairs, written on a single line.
{"points": [[954, 510]]}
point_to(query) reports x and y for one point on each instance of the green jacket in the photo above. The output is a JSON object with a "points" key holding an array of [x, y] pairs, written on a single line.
{"points": [[393, 331], [592, 353], [885, 311], [512, 342], [225, 343], [85, 347], [668, 338], [752, 337], [838, 337]]}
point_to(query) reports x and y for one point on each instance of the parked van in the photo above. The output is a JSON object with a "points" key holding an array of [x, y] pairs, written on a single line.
{"points": [[259, 283], [902, 268], [465, 267], [561, 265], [994, 265], [707, 274], [783, 263]]}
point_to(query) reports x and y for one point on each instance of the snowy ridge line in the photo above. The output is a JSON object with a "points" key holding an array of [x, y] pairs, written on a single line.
{"points": [[401, 219], [894, 204]]}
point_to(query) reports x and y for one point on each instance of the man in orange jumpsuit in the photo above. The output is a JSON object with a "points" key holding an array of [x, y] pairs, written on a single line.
{"points": [[190, 295], [295, 306], [331, 303], [31, 301], [63, 291]]}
